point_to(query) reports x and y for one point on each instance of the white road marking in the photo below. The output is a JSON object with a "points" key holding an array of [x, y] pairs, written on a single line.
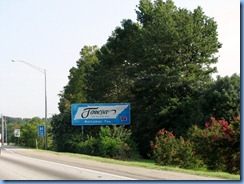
{"points": [[73, 167]]}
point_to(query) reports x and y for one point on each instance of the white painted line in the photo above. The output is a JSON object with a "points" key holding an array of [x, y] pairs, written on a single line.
{"points": [[73, 167]]}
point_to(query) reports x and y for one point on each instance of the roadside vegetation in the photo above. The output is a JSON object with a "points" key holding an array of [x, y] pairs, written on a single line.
{"points": [[150, 164], [162, 64]]}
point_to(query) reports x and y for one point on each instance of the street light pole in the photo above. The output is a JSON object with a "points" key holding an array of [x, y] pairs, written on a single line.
{"points": [[2, 131], [45, 75], [6, 130]]}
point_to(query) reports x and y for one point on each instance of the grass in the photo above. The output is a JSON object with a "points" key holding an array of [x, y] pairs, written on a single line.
{"points": [[151, 165]]}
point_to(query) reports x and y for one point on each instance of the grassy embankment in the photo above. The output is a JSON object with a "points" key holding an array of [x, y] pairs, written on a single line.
{"points": [[151, 165]]}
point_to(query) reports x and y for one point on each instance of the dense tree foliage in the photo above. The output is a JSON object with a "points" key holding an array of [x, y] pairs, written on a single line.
{"points": [[28, 131], [222, 98], [29, 134], [11, 124], [64, 135], [75, 90], [161, 65]]}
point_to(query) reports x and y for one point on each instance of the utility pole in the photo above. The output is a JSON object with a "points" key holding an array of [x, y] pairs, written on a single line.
{"points": [[2, 131], [6, 127]]}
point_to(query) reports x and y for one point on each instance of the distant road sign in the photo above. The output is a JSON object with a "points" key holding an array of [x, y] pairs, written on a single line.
{"points": [[17, 133], [41, 131], [17, 126], [101, 114]]}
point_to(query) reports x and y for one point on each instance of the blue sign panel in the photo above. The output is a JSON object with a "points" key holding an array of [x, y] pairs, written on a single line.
{"points": [[100, 114], [41, 131]]}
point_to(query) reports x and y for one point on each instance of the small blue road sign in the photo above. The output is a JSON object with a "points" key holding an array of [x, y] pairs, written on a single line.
{"points": [[41, 131]]}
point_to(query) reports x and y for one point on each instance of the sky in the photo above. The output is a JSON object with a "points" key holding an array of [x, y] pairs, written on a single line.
{"points": [[51, 33]]}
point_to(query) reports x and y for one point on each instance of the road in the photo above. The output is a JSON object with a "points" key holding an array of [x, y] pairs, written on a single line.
{"points": [[24, 164]]}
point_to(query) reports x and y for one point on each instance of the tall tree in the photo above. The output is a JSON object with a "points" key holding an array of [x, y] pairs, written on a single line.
{"points": [[75, 90], [66, 136], [112, 77], [177, 49], [160, 64]]}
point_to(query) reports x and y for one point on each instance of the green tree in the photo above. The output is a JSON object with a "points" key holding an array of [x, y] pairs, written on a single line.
{"points": [[160, 64], [29, 134], [65, 136], [75, 90], [114, 74], [177, 48], [221, 98]]}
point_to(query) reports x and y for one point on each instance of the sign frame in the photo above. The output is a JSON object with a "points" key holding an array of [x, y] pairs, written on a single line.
{"points": [[100, 114]]}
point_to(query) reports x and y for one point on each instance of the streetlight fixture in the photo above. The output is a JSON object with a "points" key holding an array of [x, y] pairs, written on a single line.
{"points": [[44, 72]]}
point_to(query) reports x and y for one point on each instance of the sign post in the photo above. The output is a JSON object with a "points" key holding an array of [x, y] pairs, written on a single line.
{"points": [[2, 137], [100, 114]]}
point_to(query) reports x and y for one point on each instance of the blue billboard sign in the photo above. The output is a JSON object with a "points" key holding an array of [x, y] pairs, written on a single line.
{"points": [[41, 131], [100, 114]]}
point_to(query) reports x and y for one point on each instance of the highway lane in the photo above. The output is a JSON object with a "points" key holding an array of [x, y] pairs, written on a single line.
{"points": [[25, 164], [17, 167]]}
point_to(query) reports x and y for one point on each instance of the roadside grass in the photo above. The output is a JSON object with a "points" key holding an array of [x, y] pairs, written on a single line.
{"points": [[151, 165]]}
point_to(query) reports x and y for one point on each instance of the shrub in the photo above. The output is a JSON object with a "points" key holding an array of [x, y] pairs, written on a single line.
{"points": [[167, 150], [116, 143], [218, 144], [111, 142], [164, 148], [109, 147], [89, 146]]}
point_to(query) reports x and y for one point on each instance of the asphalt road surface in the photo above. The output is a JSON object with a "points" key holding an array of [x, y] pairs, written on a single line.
{"points": [[24, 164]]}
